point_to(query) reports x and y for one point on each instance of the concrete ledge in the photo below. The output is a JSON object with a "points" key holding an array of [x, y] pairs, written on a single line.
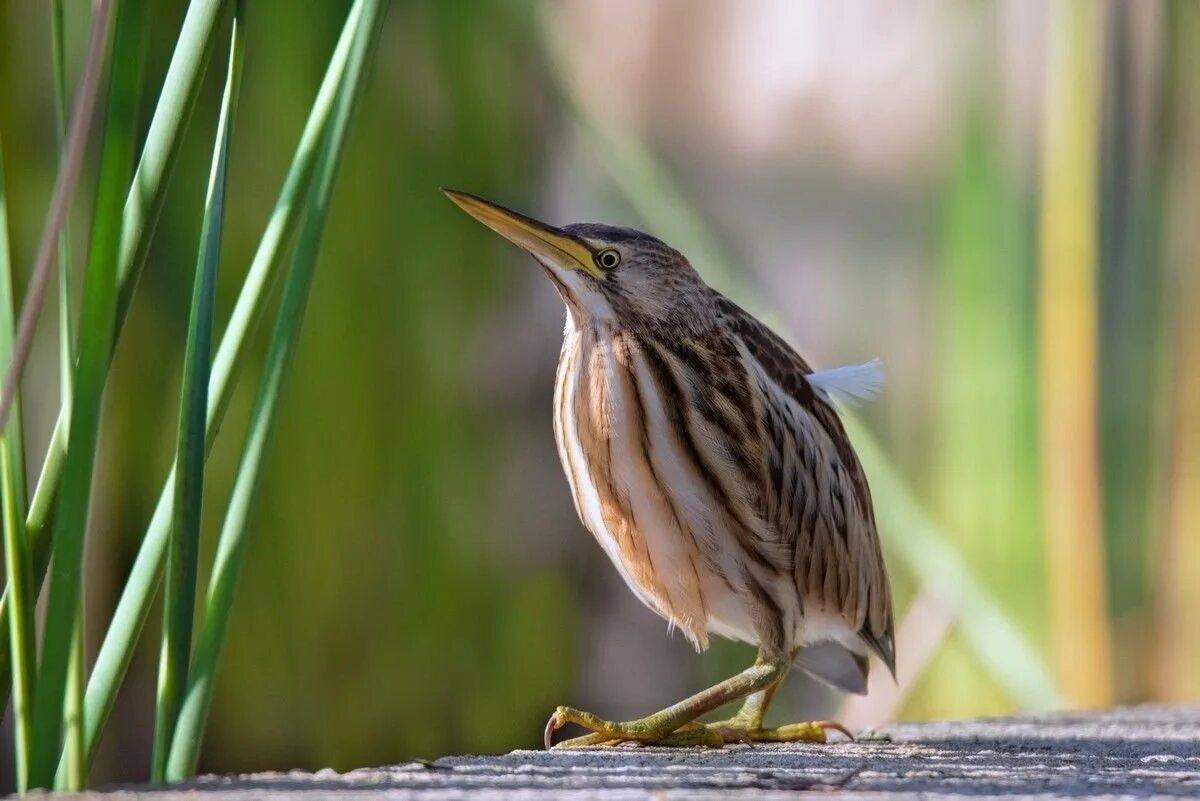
{"points": [[1138, 752]]}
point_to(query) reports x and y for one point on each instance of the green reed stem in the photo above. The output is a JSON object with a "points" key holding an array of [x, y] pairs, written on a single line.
{"points": [[227, 565], [66, 336], [16, 543], [180, 590], [66, 365], [142, 206], [138, 593], [63, 628], [21, 631]]}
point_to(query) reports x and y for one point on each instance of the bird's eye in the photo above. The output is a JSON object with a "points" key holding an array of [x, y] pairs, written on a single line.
{"points": [[608, 258]]}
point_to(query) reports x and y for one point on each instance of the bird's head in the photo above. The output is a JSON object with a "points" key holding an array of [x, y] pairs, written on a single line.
{"points": [[604, 272]]}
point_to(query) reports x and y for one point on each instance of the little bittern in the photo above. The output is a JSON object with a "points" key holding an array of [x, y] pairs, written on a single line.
{"points": [[708, 460]]}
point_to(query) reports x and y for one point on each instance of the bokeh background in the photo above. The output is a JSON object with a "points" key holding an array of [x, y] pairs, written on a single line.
{"points": [[999, 199]]}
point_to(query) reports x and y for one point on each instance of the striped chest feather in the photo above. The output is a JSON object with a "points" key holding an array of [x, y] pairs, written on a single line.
{"points": [[628, 478]]}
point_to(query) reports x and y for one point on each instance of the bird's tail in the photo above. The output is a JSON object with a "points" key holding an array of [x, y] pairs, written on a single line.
{"points": [[836, 665]]}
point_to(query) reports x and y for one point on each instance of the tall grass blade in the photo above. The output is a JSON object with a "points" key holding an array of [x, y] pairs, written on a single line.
{"points": [[16, 543], [21, 631], [180, 591], [66, 335], [142, 204], [138, 593], [185, 750], [63, 629], [651, 191], [1175, 649], [1067, 300], [76, 774]]}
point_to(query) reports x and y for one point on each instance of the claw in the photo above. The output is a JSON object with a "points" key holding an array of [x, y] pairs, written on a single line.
{"points": [[833, 725], [552, 725], [561, 717]]}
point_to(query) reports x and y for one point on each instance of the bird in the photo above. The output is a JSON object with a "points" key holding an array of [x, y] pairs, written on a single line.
{"points": [[708, 460]]}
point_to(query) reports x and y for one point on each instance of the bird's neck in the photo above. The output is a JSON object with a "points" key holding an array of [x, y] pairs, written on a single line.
{"points": [[605, 327]]}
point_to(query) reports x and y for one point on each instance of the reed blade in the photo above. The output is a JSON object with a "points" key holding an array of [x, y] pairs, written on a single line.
{"points": [[142, 583], [180, 591], [63, 627], [66, 327], [142, 204], [185, 750], [20, 633]]}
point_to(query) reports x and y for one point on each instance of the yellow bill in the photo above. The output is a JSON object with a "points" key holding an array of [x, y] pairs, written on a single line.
{"points": [[542, 241]]}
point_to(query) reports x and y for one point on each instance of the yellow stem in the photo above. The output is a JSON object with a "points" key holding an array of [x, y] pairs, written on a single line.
{"points": [[1067, 353]]}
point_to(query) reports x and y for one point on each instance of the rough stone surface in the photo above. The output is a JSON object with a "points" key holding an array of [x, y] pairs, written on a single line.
{"points": [[1140, 752]]}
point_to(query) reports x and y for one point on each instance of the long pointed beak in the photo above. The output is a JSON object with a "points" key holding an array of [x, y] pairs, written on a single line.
{"points": [[545, 242]]}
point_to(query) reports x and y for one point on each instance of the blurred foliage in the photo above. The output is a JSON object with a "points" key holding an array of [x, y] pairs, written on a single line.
{"points": [[382, 398], [985, 478], [394, 603]]}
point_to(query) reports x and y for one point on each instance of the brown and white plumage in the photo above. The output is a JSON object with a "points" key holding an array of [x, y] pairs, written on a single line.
{"points": [[714, 474], [707, 458]]}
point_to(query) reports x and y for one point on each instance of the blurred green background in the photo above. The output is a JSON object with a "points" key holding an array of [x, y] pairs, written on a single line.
{"points": [[999, 199]]}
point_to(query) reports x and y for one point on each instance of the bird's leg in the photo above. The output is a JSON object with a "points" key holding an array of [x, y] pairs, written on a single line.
{"points": [[730, 730], [746, 726], [654, 729], [754, 708]]}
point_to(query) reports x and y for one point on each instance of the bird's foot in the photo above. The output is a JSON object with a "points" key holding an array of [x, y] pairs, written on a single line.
{"points": [[647, 730], [677, 718], [736, 730], [650, 731]]}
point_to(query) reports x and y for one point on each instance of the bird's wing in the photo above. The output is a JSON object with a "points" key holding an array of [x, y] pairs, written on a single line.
{"points": [[815, 492]]}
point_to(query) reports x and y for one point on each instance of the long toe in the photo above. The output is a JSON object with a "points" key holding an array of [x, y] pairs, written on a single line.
{"points": [[737, 730], [812, 732]]}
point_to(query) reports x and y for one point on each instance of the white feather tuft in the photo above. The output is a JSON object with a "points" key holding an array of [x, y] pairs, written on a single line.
{"points": [[851, 384]]}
